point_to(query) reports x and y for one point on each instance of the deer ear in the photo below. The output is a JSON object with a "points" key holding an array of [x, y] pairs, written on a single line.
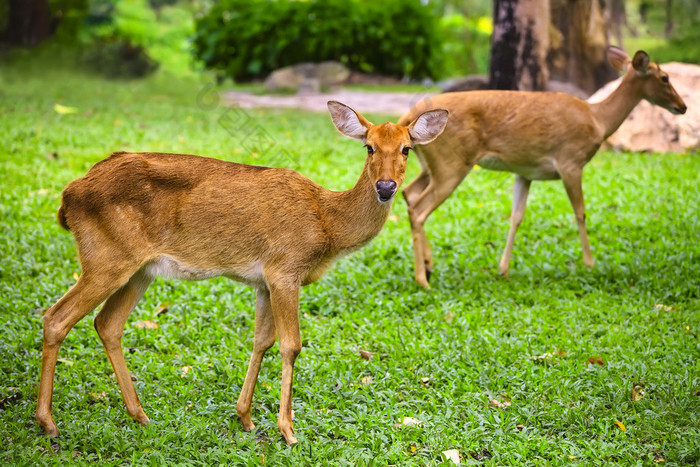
{"points": [[617, 57], [348, 122], [640, 62], [428, 126]]}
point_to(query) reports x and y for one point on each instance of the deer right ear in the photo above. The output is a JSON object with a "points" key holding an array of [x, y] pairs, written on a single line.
{"points": [[618, 58], [428, 126], [640, 62], [348, 122]]}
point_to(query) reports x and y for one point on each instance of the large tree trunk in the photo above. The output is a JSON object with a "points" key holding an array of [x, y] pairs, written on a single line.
{"points": [[29, 23], [519, 45], [579, 38], [618, 19]]}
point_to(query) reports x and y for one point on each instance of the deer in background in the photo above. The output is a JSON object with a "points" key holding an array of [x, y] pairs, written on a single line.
{"points": [[535, 135], [136, 216]]}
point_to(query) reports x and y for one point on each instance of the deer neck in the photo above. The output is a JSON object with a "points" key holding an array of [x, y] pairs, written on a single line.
{"points": [[353, 217], [611, 112]]}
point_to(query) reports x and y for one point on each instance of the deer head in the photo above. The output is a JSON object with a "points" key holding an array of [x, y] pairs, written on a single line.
{"points": [[387, 144], [654, 83]]}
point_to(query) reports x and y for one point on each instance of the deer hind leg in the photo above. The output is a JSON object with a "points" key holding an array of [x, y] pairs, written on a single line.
{"points": [[83, 297], [520, 192], [284, 298], [442, 182], [109, 324], [572, 183], [263, 340]]}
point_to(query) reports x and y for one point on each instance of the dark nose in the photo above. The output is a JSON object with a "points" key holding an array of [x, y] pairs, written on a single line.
{"points": [[683, 109], [386, 189]]}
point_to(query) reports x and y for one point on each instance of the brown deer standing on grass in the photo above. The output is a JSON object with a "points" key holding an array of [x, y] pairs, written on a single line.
{"points": [[535, 135], [136, 216]]}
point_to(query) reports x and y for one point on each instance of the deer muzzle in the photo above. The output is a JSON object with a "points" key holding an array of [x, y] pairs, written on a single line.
{"points": [[386, 190]]}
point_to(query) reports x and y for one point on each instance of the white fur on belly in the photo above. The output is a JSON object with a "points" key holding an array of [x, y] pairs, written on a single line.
{"points": [[168, 267]]}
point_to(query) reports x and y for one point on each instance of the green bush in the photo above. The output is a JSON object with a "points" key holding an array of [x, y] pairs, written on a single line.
{"points": [[467, 44], [250, 38], [682, 47]]}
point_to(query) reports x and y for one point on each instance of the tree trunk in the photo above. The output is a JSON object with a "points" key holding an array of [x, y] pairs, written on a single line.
{"points": [[618, 19], [579, 38], [519, 45], [29, 23]]}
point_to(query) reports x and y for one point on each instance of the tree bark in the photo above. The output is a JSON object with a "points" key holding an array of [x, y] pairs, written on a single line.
{"points": [[519, 45], [29, 23], [579, 38], [618, 19]]}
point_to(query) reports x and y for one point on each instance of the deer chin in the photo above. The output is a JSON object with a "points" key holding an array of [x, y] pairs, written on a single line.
{"points": [[384, 200], [677, 110]]}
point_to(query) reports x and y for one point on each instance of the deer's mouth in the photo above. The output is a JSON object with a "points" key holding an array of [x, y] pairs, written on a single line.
{"points": [[677, 110]]}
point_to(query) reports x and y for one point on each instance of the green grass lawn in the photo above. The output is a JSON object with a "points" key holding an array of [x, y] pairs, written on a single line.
{"points": [[439, 355]]}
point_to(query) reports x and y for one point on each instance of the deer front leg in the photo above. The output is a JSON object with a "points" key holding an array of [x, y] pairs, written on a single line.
{"points": [[572, 183], [520, 192], [284, 297], [109, 324], [443, 182], [263, 340], [420, 242]]}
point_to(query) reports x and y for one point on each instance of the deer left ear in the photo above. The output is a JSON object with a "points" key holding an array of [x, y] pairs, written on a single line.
{"points": [[617, 57], [428, 126], [640, 62]]}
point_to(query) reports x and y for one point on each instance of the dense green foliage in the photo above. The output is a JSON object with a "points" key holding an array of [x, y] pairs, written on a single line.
{"points": [[681, 47], [440, 355], [250, 38]]}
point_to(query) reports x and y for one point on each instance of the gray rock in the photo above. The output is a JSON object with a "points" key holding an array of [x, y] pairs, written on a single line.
{"points": [[307, 77]]}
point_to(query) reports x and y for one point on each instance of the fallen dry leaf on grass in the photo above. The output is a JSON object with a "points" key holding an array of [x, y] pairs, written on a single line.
{"points": [[637, 392], [366, 380], [163, 308], [64, 109], [185, 370], [410, 421], [451, 454], [76, 276], [543, 359], [147, 324], [365, 354], [498, 404], [621, 425], [449, 317], [661, 306], [596, 361], [65, 361]]}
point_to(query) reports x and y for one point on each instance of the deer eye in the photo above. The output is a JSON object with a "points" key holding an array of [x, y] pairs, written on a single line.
{"points": [[370, 150], [664, 79], [405, 151]]}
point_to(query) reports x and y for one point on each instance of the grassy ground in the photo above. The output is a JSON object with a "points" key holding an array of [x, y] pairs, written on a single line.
{"points": [[440, 356]]}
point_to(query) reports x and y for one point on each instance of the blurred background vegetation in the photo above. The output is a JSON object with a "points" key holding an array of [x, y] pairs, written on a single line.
{"points": [[247, 39]]}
